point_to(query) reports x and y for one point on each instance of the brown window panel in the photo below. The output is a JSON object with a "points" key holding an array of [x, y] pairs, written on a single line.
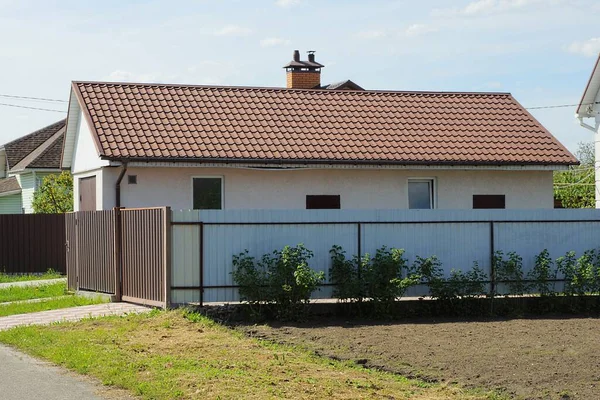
{"points": [[322, 202], [481, 201]]}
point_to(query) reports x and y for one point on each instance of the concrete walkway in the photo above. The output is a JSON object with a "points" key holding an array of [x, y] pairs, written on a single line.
{"points": [[25, 378], [39, 282], [70, 314]]}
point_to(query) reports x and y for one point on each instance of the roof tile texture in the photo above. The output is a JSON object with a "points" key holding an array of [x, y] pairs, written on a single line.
{"points": [[9, 185], [20, 148], [147, 121]]}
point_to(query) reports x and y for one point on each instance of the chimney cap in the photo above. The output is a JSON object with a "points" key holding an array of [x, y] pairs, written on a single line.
{"points": [[297, 63]]}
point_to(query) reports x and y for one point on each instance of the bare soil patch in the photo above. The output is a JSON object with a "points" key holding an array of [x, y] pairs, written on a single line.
{"points": [[545, 358]]}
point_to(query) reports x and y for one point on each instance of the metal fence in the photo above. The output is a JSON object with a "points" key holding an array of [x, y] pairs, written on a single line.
{"points": [[32, 243], [204, 242], [124, 252]]}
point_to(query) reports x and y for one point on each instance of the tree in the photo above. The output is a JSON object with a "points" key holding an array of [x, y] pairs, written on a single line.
{"points": [[55, 195], [575, 187]]}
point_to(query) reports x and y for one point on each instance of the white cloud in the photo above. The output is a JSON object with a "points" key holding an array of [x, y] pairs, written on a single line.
{"points": [[489, 7], [287, 3], [419, 29], [588, 48], [233, 30], [376, 34], [273, 41]]}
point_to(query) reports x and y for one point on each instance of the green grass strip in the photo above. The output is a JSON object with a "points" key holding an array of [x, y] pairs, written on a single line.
{"points": [[51, 274], [45, 305], [17, 293]]}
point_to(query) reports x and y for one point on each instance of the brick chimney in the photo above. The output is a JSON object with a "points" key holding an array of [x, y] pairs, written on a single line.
{"points": [[303, 74]]}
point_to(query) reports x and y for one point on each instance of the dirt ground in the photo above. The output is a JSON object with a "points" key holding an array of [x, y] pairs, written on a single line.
{"points": [[550, 358]]}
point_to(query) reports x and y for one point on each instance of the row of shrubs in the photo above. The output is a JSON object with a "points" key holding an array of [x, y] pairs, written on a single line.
{"points": [[280, 283]]}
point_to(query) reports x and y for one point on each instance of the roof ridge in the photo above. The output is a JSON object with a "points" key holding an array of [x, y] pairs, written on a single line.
{"points": [[275, 88], [64, 121]]}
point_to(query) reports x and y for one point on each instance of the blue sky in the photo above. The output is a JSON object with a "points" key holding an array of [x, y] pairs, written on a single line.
{"points": [[542, 51]]}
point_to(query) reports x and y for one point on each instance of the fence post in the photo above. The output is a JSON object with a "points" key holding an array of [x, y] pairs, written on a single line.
{"points": [[201, 226], [118, 253], [492, 267], [167, 255]]}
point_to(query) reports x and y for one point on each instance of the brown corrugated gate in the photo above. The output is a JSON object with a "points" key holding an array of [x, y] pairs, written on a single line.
{"points": [[32, 243], [124, 252]]}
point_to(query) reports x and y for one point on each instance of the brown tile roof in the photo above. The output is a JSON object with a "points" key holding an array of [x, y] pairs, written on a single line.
{"points": [[19, 149], [9, 185], [176, 122]]}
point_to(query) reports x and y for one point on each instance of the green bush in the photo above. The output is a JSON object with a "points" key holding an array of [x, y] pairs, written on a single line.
{"points": [[378, 280], [282, 281], [542, 275], [509, 271], [346, 275]]}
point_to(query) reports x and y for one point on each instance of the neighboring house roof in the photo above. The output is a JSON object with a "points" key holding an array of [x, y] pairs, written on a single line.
{"points": [[245, 124], [40, 149], [343, 85], [590, 95], [9, 186]]}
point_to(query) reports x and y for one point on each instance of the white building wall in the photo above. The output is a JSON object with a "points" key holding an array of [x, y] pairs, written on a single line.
{"points": [[28, 186], [359, 189], [85, 156]]}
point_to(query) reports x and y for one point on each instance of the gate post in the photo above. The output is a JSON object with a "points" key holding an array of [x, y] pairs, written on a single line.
{"points": [[118, 253], [167, 230]]}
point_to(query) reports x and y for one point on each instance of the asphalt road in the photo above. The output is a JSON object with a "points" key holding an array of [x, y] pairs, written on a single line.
{"points": [[25, 378]]}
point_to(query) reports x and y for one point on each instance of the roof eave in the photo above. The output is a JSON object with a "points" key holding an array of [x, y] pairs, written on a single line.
{"points": [[334, 162], [581, 110]]}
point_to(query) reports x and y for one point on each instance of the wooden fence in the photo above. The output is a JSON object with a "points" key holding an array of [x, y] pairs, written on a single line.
{"points": [[124, 252], [32, 243]]}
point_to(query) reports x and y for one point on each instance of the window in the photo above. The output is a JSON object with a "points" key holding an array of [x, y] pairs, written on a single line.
{"points": [[420, 194], [489, 201], [322, 202], [132, 179], [207, 193]]}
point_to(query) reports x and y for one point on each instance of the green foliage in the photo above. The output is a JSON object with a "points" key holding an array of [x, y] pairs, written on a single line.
{"points": [[509, 271], [50, 274], [459, 285], [383, 276], [346, 275], [575, 186], [466, 285], [55, 195], [567, 266], [582, 275], [378, 280], [282, 280], [542, 275]]}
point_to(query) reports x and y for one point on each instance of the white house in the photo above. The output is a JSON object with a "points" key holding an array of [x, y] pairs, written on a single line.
{"points": [[589, 107], [305, 146], [24, 163]]}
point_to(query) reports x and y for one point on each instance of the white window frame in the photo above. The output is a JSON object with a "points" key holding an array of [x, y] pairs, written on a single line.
{"points": [[221, 177], [428, 179]]}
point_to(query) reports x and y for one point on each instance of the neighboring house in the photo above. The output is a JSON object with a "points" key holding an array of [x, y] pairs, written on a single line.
{"points": [[589, 107], [305, 146], [25, 162]]}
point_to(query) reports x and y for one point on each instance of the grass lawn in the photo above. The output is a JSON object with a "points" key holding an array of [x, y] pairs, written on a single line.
{"points": [[182, 355], [16, 293], [4, 278], [47, 304]]}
